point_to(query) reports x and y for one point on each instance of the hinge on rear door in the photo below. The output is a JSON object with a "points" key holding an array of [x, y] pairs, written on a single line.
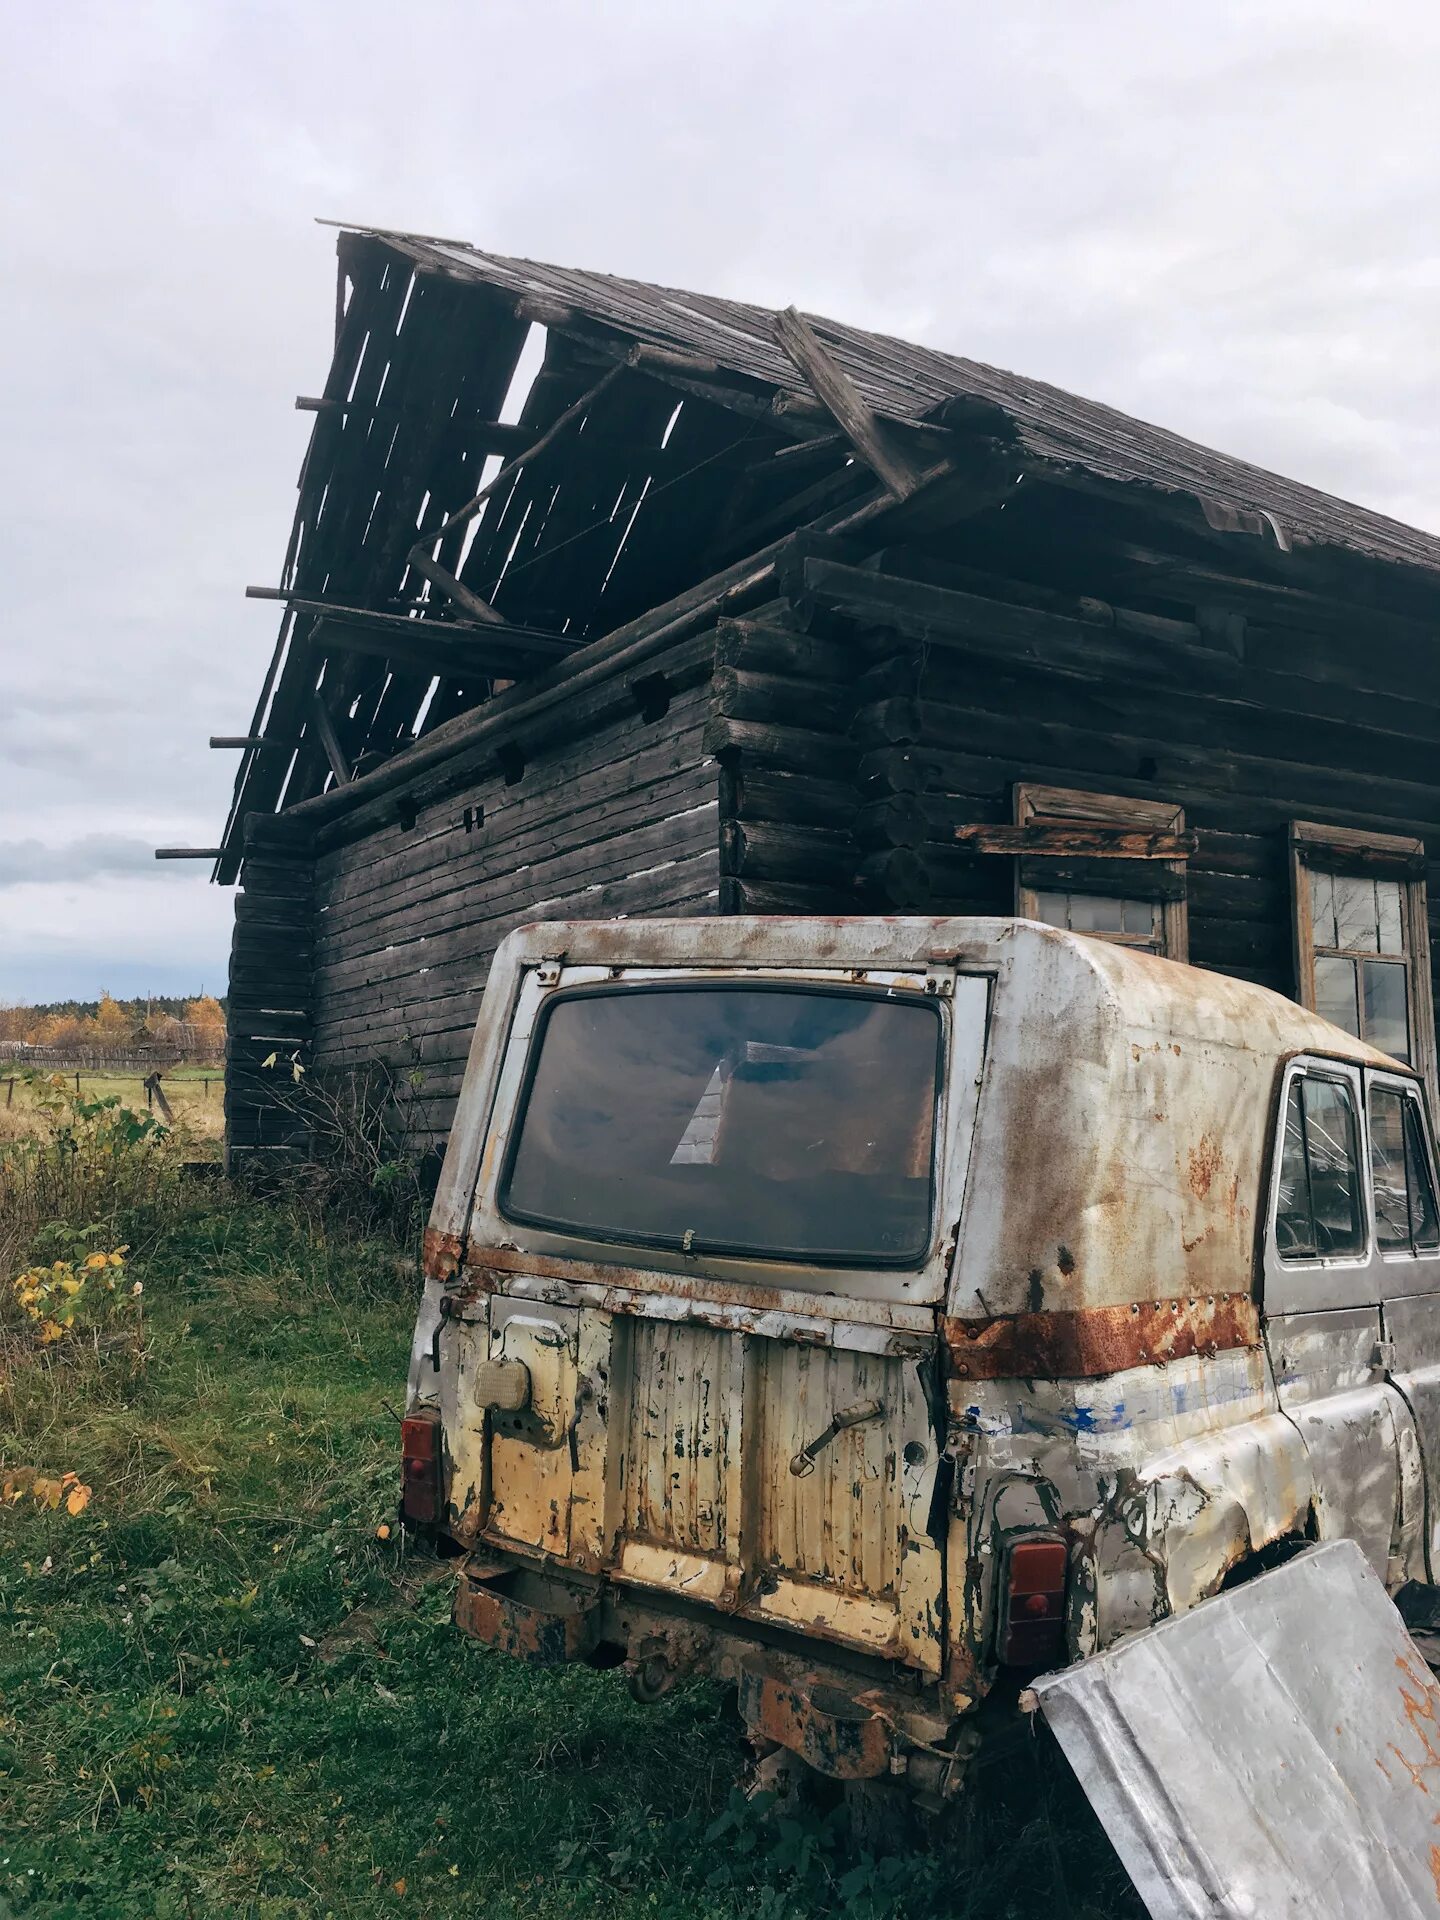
{"points": [[548, 971], [1384, 1356], [940, 979]]}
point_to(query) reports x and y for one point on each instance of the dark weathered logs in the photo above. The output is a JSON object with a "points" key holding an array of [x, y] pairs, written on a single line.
{"points": [[783, 749], [774, 698], [764, 851]]}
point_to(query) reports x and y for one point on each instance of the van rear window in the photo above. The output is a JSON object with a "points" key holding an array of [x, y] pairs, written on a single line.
{"points": [[789, 1123]]}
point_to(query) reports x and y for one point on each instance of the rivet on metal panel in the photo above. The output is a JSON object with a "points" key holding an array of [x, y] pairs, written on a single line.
{"points": [[548, 971]]}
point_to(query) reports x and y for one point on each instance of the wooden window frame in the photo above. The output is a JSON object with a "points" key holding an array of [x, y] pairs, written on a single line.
{"points": [[1043, 805], [1383, 856]]}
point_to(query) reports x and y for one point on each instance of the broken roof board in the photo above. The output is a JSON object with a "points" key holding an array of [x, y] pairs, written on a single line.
{"points": [[903, 381], [1274, 1752]]}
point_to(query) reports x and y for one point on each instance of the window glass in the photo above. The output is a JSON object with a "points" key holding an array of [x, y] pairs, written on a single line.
{"points": [[1387, 898], [1351, 919], [1355, 914], [1405, 1213], [1336, 995], [1424, 1218], [1294, 1229], [790, 1123], [1388, 1180], [1138, 920], [1318, 1213], [1384, 1013]]}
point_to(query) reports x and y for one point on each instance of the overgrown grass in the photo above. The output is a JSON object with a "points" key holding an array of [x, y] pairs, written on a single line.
{"points": [[196, 1096], [223, 1693]]}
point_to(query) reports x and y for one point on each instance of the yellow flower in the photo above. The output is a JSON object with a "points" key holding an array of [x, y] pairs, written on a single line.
{"points": [[95, 1261], [70, 1284]]}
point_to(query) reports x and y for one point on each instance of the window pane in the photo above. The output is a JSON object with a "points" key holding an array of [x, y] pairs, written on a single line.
{"points": [[1322, 908], [1387, 901], [1335, 993], [1355, 914], [1424, 1223], [1053, 909], [795, 1124], [1332, 1163], [1387, 1168], [1294, 1232], [1096, 913], [1141, 917], [1386, 1024]]}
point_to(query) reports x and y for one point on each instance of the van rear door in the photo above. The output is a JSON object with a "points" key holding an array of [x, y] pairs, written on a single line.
{"points": [[715, 1245]]}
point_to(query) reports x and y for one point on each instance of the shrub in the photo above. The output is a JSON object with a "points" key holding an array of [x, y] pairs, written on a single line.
{"points": [[93, 1173]]}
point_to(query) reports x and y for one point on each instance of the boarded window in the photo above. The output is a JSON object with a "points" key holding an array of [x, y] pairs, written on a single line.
{"points": [[1134, 902]]}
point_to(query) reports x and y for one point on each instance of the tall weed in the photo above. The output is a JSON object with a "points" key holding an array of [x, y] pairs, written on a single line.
{"points": [[90, 1169]]}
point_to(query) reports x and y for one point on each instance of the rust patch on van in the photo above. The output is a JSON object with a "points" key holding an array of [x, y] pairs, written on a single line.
{"points": [[441, 1254], [1089, 1341], [1204, 1165], [839, 1733]]}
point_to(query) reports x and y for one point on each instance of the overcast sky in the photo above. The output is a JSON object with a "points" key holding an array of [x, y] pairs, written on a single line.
{"points": [[1222, 218]]}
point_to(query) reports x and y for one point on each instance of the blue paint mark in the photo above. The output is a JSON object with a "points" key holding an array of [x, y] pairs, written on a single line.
{"points": [[1113, 1419]]}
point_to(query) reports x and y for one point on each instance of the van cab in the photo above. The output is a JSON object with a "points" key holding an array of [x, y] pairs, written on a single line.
{"points": [[863, 1310]]}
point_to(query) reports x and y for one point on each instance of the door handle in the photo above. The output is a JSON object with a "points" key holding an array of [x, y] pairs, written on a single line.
{"points": [[803, 1463]]}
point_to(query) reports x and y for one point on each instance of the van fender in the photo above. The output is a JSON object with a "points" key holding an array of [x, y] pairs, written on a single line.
{"points": [[1195, 1511]]}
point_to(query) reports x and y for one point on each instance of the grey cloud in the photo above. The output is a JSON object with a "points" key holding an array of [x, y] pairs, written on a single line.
{"points": [[32, 861]]}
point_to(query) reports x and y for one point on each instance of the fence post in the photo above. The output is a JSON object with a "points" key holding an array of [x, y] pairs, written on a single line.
{"points": [[10, 1091], [77, 1084]]}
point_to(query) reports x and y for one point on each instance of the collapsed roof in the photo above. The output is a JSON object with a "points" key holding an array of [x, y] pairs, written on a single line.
{"points": [[451, 537]]}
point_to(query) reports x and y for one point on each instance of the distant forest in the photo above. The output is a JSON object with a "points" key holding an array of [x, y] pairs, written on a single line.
{"points": [[195, 1027]]}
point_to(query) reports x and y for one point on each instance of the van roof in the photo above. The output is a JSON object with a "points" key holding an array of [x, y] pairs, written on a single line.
{"points": [[1122, 1139], [1147, 992]]}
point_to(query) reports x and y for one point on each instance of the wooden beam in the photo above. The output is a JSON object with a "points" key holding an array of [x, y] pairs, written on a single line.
{"points": [[435, 647], [381, 620], [330, 741], [557, 426], [452, 588], [496, 436], [188, 853], [1080, 843], [844, 402], [241, 741], [420, 555]]}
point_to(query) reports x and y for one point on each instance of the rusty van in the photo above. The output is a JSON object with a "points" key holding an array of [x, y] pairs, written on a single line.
{"points": [[865, 1311]]}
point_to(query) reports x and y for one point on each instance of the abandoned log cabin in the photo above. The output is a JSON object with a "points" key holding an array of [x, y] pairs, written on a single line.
{"points": [[607, 599]]}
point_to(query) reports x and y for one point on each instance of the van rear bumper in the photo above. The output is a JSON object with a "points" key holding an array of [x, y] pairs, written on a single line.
{"points": [[838, 1721]]}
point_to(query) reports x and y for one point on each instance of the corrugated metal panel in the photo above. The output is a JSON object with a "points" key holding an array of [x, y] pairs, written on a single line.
{"points": [[1275, 1752], [840, 1523], [677, 1446]]}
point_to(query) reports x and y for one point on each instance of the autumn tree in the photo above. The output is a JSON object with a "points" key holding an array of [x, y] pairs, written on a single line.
{"points": [[206, 1020]]}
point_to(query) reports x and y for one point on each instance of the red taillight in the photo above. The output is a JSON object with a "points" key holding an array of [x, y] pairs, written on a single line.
{"points": [[1032, 1623], [420, 1484]]}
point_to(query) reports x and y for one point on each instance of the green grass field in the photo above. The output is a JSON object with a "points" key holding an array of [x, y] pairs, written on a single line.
{"points": [[196, 1096], [222, 1693]]}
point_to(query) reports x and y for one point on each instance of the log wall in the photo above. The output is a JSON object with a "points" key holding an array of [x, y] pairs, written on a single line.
{"points": [[815, 754]]}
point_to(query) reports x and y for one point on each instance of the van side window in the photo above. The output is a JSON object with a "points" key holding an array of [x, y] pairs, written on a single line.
{"points": [[1318, 1215], [1405, 1214]]}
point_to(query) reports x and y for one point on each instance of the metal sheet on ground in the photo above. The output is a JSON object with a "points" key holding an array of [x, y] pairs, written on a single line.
{"points": [[1275, 1752]]}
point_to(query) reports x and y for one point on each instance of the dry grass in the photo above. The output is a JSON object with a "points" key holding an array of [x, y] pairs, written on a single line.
{"points": [[197, 1099]]}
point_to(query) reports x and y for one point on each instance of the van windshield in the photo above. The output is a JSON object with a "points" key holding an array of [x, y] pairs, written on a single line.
{"points": [[793, 1123]]}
